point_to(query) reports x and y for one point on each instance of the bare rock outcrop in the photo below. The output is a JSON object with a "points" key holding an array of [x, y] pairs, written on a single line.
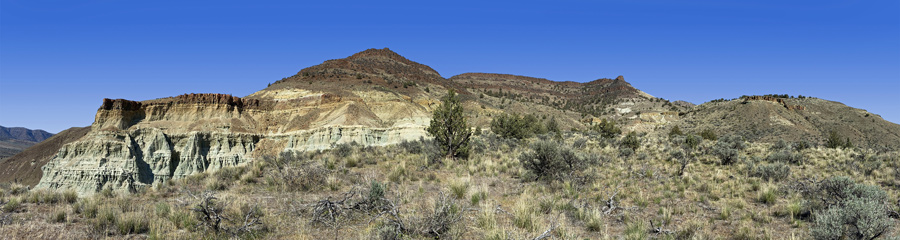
{"points": [[773, 99]]}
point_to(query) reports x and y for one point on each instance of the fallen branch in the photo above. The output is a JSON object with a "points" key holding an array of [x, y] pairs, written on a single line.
{"points": [[659, 229], [611, 203]]}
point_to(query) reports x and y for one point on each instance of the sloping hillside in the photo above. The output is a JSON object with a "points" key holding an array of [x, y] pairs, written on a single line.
{"points": [[25, 167], [793, 119]]}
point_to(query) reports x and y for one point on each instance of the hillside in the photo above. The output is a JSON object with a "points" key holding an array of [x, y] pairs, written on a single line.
{"points": [[25, 167], [769, 119], [14, 140], [377, 98]]}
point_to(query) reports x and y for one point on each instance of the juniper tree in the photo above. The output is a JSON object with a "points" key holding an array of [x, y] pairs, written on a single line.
{"points": [[449, 128]]}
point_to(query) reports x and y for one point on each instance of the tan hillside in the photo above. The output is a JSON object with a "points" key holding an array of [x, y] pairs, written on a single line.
{"points": [[770, 119]]}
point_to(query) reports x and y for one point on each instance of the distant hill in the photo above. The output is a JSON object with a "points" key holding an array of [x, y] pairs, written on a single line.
{"points": [[25, 167], [14, 140], [24, 134]]}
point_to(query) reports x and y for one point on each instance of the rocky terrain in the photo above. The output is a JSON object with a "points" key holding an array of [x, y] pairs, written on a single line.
{"points": [[14, 140]]}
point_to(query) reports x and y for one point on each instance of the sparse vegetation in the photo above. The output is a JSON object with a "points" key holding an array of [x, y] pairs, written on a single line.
{"points": [[577, 186]]}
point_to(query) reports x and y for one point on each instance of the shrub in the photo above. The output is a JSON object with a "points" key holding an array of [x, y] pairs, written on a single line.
{"points": [[449, 128], [775, 172], [800, 145], [547, 160], [376, 191], [441, 219], [413, 147], [692, 141], [728, 148], [552, 125], [834, 140], [515, 126], [579, 143], [12, 206], [858, 218], [708, 135], [786, 156], [607, 129], [675, 131], [842, 208], [631, 141], [343, 150], [781, 145], [459, 189]]}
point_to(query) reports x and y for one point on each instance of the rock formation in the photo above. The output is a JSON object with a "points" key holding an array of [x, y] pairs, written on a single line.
{"points": [[773, 99], [374, 98]]}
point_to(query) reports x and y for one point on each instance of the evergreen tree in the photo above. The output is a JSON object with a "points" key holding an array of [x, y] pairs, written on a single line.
{"points": [[449, 128]]}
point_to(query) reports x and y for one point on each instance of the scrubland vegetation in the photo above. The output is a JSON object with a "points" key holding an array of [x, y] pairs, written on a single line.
{"points": [[572, 185]]}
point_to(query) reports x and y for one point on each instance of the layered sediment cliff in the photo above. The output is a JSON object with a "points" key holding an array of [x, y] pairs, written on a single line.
{"points": [[135, 144]]}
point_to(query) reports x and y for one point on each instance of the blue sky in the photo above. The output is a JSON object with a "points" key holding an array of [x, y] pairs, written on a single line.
{"points": [[58, 59]]}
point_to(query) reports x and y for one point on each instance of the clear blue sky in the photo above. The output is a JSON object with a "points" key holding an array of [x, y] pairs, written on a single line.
{"points": [[58, 59]]}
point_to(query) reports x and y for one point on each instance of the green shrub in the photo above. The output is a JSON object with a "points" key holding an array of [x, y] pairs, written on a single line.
{"points": [[692, 141], [631, 141], [547, 160], [775, 171], [842, 208], [607, 129], [552, 125], [728, 149], [708, 135], [675, 131], [12, 206], [834, 140], [781, 145], [786, 156], [801, 145], [858, 218], [343, 150], [515, 126]]}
